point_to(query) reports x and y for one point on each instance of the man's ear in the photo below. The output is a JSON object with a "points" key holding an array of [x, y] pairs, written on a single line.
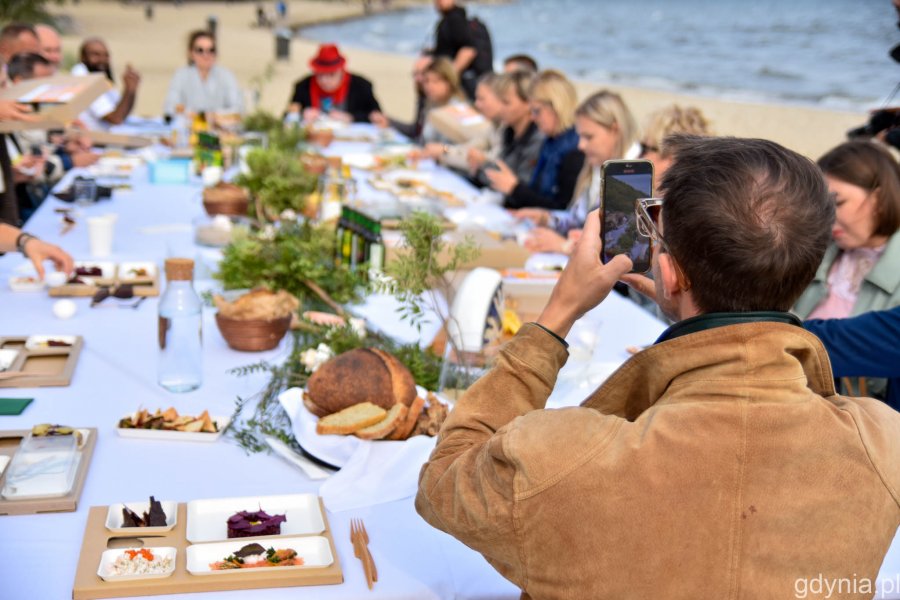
{"points": [[669, 280]]}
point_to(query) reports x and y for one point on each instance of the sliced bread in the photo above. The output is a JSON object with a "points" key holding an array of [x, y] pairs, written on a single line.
{"points": [[351, 419], [383, 428], [402, 431]]}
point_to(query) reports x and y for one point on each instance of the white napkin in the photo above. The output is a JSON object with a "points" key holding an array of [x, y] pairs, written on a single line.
{"points": [[372, 472]]}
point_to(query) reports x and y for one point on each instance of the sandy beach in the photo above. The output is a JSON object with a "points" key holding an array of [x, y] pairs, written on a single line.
{"points": [[157, 47]]}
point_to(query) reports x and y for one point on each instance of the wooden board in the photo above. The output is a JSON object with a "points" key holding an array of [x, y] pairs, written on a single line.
{"points": [[97, 539], [143, 286], [40, 367], [9, 443]]}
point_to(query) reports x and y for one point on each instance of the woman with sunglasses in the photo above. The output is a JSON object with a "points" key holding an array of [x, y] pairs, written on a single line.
{"points": [[203, 86], [553, 100], [606, 131]]}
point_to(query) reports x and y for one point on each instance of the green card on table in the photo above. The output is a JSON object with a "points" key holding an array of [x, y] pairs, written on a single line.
{"points": [[13, 406]]}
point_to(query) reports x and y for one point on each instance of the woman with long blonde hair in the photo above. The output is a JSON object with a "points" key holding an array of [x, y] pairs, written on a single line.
{"points": [[606, 130]]}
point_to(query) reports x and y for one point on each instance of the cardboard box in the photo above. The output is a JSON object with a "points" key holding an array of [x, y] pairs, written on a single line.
{"points": [[58, 100], [459, 123], [495, 254], [527, 297], [104, 138]]}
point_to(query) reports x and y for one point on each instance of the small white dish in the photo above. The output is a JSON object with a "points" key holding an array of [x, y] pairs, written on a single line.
{"points": [[359, 160], [55, 278], [7, 358], [108, 559], [207, 520], [108, 269], [4, 460], [314, 550], [129, 271], [175, 436], [42, 342], [25, 283], [114, 518]]}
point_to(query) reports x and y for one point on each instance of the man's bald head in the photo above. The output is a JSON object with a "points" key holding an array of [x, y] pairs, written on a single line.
{"points": [[95, 56], [51, 45]]}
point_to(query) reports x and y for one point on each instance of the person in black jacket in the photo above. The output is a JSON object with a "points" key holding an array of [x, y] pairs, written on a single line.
{"points": [[553, 100], [453, 39], [333, 90]]}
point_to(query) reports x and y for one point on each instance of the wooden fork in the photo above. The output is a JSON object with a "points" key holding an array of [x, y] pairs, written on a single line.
{"points": [[365, 537], [359, 550]]}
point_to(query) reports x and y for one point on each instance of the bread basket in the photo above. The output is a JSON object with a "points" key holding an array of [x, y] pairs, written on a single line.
{"points": [[225, 199], [252, 335]]}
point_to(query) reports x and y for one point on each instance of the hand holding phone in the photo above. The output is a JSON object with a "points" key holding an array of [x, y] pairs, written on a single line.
{"points": [[624, 182]]}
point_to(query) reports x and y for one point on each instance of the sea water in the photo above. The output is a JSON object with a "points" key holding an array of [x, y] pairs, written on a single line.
{"points": [[827, 53]]}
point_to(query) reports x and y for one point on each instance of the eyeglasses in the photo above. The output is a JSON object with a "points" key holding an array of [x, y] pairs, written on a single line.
{"points": [[203, 50], [648, 211], [645, 148]]}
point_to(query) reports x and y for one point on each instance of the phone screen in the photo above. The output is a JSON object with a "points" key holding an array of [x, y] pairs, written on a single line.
{"points": [[624, 182]]}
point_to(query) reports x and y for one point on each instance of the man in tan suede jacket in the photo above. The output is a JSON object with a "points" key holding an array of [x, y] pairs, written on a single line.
{"points": [[716, 464]]}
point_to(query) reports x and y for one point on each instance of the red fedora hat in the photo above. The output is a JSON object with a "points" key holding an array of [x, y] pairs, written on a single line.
{"points": [[328, 59]]}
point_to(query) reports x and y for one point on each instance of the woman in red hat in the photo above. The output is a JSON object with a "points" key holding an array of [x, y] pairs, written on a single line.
{"points": [[333, 90]]}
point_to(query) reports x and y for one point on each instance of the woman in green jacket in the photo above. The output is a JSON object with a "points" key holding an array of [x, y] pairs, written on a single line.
{"points": [[861, 268]]}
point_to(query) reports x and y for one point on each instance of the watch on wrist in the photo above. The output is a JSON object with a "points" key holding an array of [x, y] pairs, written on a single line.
{"points": [[22, 240]]}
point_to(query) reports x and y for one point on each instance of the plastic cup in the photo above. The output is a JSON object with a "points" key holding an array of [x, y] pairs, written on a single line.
{"points": [[100, 235], [84, 191]]}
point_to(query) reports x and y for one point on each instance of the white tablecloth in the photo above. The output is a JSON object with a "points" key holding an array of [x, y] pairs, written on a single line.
{"points": [[117, 373]]}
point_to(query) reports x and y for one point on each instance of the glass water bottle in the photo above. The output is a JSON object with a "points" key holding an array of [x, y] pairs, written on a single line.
{"points": [[180, 367]]}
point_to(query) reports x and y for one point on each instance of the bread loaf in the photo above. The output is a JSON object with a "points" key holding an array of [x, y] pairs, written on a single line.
{"points": [[405, 427], [360, 375], [351, 419], [384, 427]]}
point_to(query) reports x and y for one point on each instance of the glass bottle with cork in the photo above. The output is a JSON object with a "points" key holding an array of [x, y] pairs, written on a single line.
{"points": [[180, 366], [332, 190]]}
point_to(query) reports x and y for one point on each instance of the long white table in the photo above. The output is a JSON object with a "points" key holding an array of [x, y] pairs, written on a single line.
{"points": [[117, 373]]}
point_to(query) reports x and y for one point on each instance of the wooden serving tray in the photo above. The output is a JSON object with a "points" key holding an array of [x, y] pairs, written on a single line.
{"points": [[40, 367], [143, 285], [98, 539], [9, 443]]}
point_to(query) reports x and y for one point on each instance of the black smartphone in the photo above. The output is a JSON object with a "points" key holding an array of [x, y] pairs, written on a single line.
{"points": [[623, 183]]}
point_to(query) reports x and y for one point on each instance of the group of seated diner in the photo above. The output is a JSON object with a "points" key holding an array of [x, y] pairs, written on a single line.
{"points": [[540, 150]]}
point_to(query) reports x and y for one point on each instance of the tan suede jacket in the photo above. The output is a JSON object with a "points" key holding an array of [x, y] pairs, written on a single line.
{"points": [[718, 465]]}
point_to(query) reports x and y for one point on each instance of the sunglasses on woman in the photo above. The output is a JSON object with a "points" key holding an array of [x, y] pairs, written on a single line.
{"points": [[204, 50]]}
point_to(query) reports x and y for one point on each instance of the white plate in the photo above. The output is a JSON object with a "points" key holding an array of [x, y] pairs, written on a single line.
{"points": [[39, 342], [54, 483], [25, 283], [114, 517], [4, 460], [108, 269], [175, 436], [207, 519], [359, 160], [105, 572], [126, 267], [407, 174], [7, 358], [314, 550]]}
